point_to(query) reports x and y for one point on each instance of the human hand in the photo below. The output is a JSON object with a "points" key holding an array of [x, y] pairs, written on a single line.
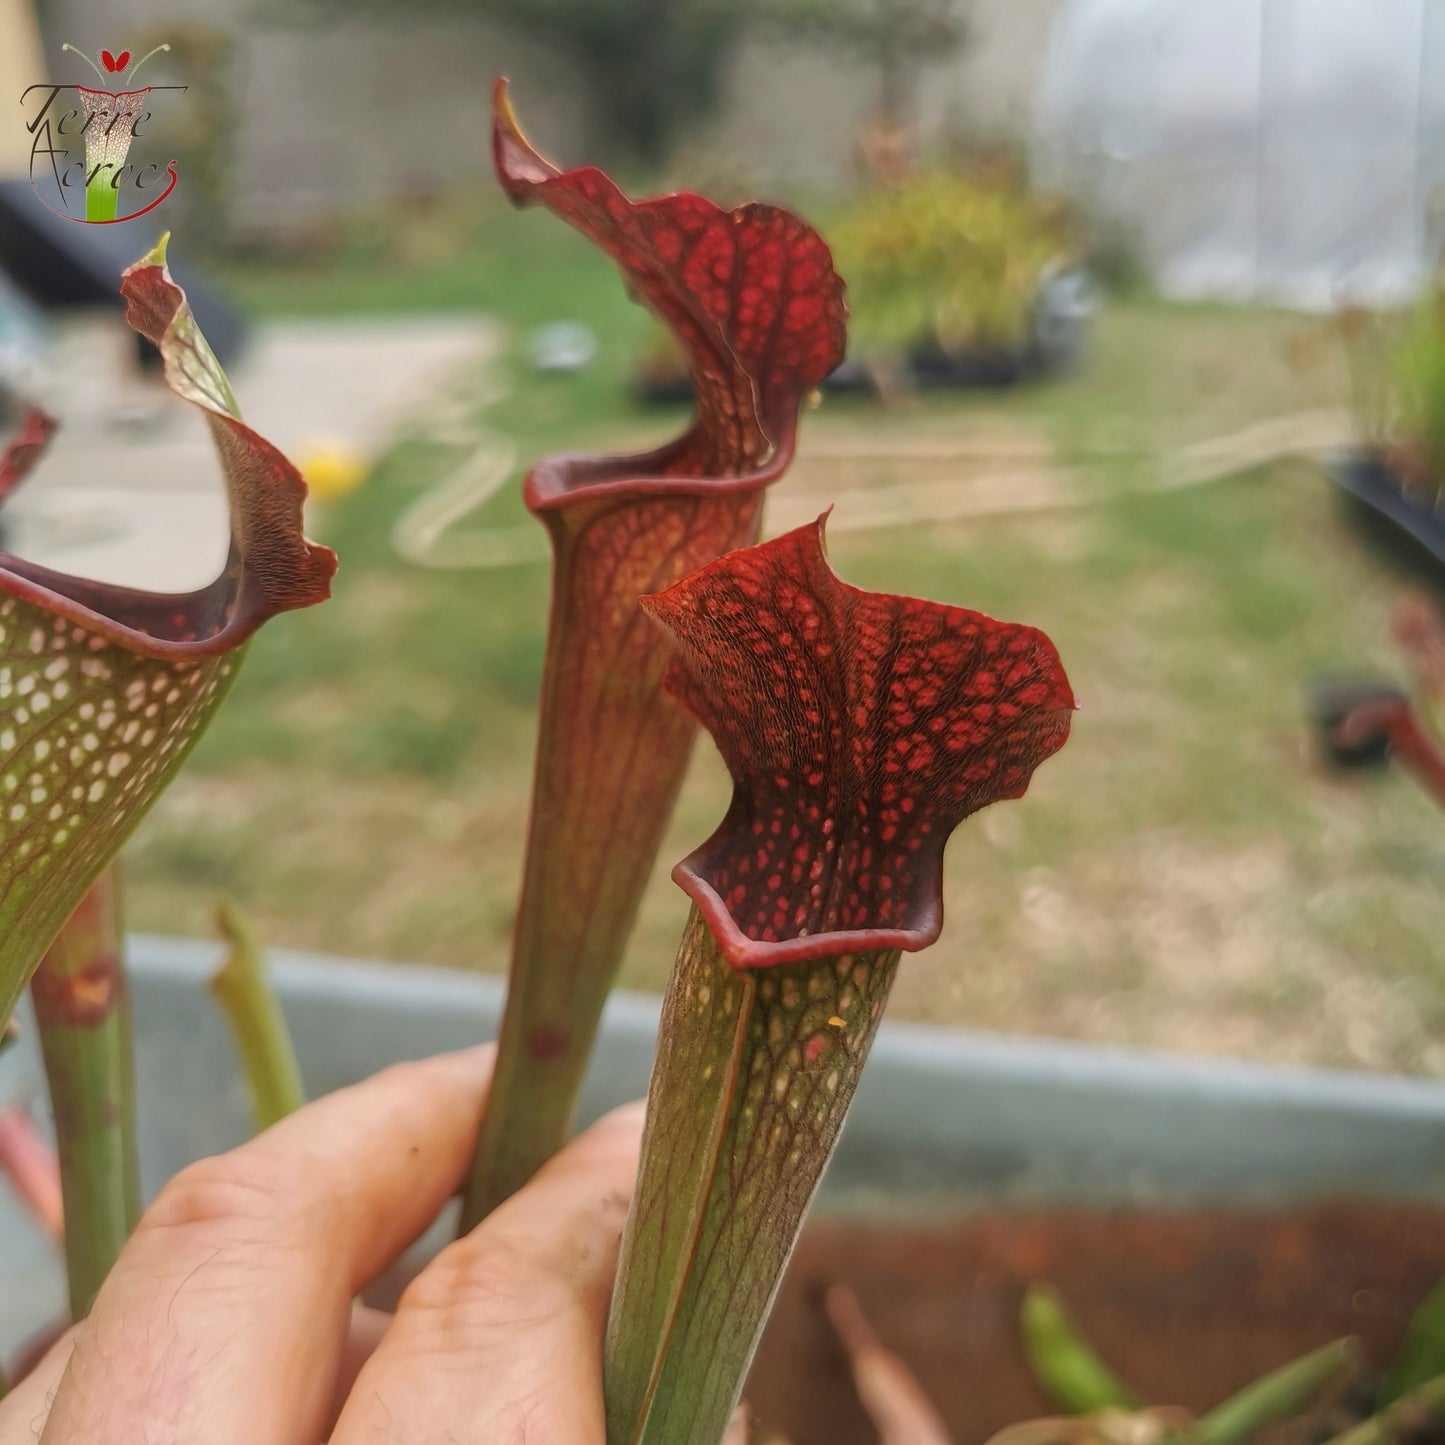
{"points": [[228, 1319]]}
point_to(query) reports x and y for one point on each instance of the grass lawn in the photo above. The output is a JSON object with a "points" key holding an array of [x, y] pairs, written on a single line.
{"points": [[1183, 875]]}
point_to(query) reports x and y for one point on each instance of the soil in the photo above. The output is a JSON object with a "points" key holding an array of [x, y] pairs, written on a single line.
{"points": [[1187, 1306]]}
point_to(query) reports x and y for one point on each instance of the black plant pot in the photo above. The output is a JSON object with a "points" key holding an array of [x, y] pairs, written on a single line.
{"points": [[1404, 526], [1057, 337], [933, 367]]}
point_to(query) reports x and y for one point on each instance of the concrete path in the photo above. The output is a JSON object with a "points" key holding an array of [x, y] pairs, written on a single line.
{"points": [[131, 490]]}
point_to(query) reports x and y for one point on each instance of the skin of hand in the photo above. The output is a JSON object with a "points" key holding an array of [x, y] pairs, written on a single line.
{"points": [[228, 1318]]}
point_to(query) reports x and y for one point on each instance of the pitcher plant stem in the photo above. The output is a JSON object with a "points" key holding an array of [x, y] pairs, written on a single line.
{"points": [[754, 1075], [757, 310], [82, 1013]]}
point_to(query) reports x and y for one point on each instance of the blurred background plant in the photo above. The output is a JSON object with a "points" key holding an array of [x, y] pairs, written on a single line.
{"points": [[1329, 1394], [951, 257], [1397, 363]]}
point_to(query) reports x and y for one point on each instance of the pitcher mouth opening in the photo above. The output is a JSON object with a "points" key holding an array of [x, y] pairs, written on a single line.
{"points": [[271, 567]]}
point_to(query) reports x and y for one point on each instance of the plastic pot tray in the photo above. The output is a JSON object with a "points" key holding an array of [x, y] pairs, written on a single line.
{"points": [[1375, 489], [944, 1120]]}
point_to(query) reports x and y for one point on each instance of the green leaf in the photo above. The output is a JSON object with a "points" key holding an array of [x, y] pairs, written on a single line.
{"points": [[1409, 1418], [1422, 1355], [1276, 1396], [1064, 1362], [244, 992], [82, 1012]]}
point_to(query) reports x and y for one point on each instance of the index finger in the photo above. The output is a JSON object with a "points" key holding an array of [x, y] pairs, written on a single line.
{"points": [[225, 1316]]}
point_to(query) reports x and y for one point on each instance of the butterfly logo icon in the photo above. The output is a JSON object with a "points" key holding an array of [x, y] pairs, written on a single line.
{"points": [[114, 64]]}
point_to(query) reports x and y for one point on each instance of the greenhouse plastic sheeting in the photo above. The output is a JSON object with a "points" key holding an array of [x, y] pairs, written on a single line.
{"points": [[1290, 151]]}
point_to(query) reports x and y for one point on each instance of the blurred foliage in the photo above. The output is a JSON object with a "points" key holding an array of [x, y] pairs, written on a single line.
{"points": [[1069, 1370], [949, 256], [1397, 366], [1418, 381], [1114, 260], [1421, 1356]]}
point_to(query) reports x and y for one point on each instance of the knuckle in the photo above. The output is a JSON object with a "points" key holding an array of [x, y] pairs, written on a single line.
{"points": [[225, 1191], [495, 1280]]}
